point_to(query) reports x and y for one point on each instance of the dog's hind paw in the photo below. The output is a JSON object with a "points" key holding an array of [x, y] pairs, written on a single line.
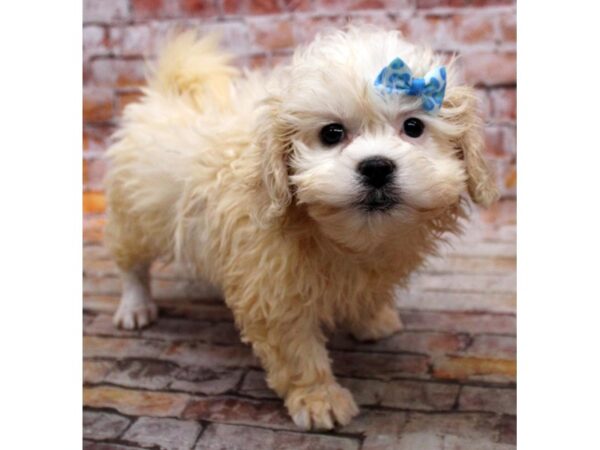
{"points": [[320, 407], [386, 323], [133, 317]]}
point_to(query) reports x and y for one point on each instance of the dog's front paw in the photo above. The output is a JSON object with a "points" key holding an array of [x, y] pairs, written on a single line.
{"points": [[135, 316], [321, 406], [384, 324]]}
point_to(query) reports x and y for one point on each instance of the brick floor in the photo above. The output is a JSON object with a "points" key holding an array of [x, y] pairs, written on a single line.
{"points": [[187, 382]]}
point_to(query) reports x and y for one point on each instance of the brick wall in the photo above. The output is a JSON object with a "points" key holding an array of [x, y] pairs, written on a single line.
{"points": [[118, 34]]}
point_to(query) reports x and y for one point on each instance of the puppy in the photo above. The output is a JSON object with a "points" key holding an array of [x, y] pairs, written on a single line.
{"points": [[306, 194]]}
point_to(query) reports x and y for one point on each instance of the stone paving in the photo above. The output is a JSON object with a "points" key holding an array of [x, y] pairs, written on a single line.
{"points": [[187, 382]]}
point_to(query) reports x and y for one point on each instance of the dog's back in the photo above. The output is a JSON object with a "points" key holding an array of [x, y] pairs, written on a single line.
{"points": [[164, 140]]}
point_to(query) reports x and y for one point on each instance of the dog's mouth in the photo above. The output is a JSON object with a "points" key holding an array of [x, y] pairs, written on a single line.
{"points": [[379, 200]]}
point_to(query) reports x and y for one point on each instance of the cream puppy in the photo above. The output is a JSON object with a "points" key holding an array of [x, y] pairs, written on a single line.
{"points": [[306, 194]]}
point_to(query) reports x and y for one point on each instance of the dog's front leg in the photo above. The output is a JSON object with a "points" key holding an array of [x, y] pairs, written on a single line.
{"points": [[298, 369]]}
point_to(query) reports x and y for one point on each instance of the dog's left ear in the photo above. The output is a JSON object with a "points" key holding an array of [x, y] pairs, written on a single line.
{"points": [[461, 107], [274, 146]]}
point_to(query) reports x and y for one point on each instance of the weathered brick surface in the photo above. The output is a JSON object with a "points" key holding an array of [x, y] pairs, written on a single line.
{"points": [[471, 368], [101, 425], [270, 414], [91, 445], [475, 398], [447, 382], [403, 394], [135, 402], [235, 437], [493, 346], [169, 434]]}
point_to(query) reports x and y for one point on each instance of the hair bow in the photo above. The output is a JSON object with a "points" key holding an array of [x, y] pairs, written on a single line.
{"points": [[397, 77]]}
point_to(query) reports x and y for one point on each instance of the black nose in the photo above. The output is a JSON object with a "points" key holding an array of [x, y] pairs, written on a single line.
{"points": [[377, 171]]}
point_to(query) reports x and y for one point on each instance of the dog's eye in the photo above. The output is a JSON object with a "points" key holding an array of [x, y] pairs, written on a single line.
{"points": [[413, 127], [332, 134]]}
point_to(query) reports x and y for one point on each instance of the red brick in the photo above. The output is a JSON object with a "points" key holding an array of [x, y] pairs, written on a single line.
{"points": [[251, 7], [95, 42], [450, 31], [93, 202], [84, 172], [504, 104], [133, 40], [485, 104], [271, 35], [499, 142], [473, 28], [97, 104], [501, 213], [105, 10], [93, 229], [330, 6], [168, 434], [254, 62], [461, 3], [117, 72], [203, 8], [96, 136], [233, 34], [489, 69], [307, 27], [296, 5], [146, 9], [508, 27], [94, 171]]}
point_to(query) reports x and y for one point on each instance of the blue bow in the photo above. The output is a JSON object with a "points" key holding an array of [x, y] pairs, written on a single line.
{"points": [[397, 77]]}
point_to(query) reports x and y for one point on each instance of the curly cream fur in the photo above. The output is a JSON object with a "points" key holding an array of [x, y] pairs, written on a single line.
{"points": [[222, 171]]}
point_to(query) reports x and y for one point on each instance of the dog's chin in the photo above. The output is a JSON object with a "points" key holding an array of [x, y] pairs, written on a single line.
{"points": [[379, 201]]}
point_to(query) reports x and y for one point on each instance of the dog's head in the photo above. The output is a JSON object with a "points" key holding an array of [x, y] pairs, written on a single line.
{"points": [[362, 160]]}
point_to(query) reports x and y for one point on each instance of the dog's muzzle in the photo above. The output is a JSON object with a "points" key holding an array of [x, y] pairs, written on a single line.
{"points": [[377, 177]]}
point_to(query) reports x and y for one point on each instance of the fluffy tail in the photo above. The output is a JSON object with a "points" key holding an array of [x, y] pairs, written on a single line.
{"points": [[195, 69]]}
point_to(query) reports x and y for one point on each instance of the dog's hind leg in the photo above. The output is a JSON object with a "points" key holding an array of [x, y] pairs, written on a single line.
{"points": [[136, 309], [133, 255], [378, 323]]}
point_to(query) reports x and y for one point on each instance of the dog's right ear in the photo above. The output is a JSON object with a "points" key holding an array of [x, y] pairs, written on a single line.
{"points": [[274, 146]]}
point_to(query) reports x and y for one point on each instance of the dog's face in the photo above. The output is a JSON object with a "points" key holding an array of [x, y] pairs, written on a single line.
{"points": [[360, 161]]}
